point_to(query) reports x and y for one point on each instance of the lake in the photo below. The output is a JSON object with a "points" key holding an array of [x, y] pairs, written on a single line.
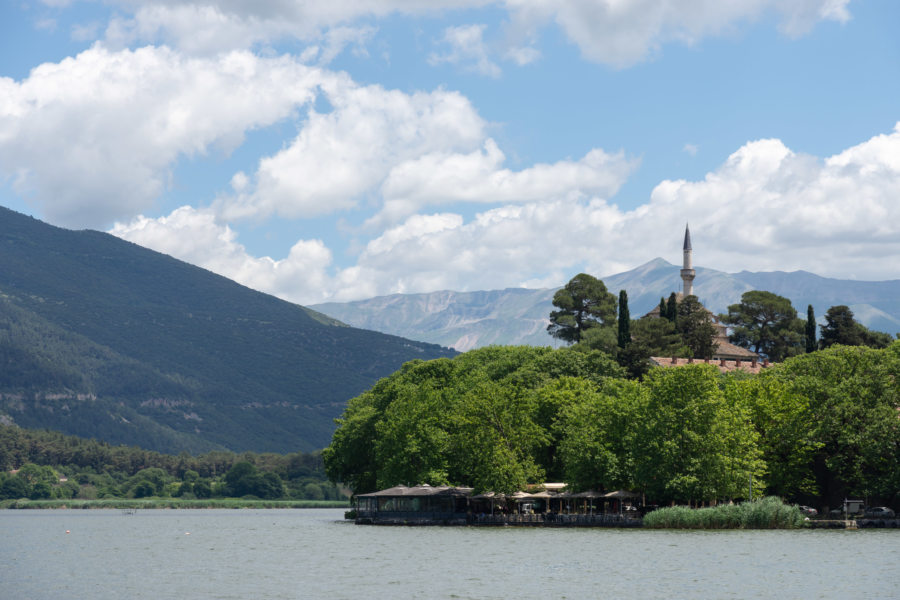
{"points": [[271, 554]]}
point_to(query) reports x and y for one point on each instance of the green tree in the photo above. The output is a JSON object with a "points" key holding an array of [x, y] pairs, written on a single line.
{"points": [[624, 320], [594, 429], [854, 401], [635, 358], [694, 323], [765, 323], [672, 309], [13, 488], [781, 418], [583, 303], [690, 444], [812, 343], [841, 328], [660, 337]]}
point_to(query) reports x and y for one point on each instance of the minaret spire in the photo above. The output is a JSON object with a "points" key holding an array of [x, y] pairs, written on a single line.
{"points": [[687, 271]]}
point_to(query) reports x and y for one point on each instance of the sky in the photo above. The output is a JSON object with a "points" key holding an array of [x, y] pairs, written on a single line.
{"points": [[340, 150]]}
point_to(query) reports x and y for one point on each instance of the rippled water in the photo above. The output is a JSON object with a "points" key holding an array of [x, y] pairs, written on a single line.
{"points": [[314, 554]]}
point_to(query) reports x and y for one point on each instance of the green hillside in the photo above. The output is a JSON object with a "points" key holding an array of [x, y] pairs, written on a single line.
{"points": [[103, 338]]}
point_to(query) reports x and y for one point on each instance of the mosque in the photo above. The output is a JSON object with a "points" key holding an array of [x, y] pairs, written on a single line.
{"points": [[728, 356]]}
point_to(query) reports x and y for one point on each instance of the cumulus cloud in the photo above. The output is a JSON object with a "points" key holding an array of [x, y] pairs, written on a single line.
{"points": [[467, 50], [341, 155], [765, 208], [114, 123], [196, 236], [442, 178]]}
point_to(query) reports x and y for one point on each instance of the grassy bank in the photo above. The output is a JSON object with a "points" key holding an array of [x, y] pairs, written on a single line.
{"points": [[768, 513], [146, 503]]}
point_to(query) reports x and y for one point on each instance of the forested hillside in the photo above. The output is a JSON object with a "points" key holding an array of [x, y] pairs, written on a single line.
{"points": [[102, 338], [48, 465]]}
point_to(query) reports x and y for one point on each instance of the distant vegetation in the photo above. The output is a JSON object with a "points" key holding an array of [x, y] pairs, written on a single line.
{"points": [[48, 466], [817, 428], [102, 338]]}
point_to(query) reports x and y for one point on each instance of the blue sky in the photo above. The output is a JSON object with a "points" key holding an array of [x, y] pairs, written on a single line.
{"points": [[342, 150]]}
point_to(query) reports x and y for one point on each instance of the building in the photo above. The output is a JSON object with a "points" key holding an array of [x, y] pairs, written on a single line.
{"points": [[728, 357]]}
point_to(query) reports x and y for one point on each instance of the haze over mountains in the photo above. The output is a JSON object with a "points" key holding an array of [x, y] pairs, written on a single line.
{"points": [[465, 320], [103, 338]]}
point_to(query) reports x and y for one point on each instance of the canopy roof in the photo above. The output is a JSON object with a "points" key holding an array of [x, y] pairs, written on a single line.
{"points": [[420, 490]]}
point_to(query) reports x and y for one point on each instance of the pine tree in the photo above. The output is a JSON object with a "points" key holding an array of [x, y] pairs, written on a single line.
{"points": [[624, 320], [811, 343]]}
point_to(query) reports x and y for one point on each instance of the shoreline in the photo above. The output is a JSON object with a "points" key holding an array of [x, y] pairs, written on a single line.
{"points": [[165, 504]]}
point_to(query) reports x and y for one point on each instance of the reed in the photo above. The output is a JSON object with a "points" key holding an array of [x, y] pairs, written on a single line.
{"points": [[767, 513]]}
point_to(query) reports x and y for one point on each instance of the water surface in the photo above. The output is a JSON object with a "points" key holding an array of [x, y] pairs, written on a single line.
{"points": [[231, 554]]}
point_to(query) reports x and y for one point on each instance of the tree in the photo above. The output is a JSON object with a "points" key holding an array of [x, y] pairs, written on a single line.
{"points": [[635, 358], [694, 323], [811, 343], [594, 429], [583, 303], [659, 336], [672, 308], [841, 328], [853, 409], [624, 320], [690, 443], [767, 324]]}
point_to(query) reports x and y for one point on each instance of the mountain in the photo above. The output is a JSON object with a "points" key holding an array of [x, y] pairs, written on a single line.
{"points": [[102, 338], [465, 320], [460, 320]]}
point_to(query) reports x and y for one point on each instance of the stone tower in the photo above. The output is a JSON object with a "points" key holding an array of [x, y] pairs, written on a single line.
{"points": [[687, 271]]}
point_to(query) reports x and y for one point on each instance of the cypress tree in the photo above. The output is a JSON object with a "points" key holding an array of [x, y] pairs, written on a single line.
{"points": [[811, 342], [672, 308], [624, 320], [662, 308]]}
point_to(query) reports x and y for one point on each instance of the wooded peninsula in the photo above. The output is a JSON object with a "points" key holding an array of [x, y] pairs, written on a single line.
{"points": [[813, 429]]}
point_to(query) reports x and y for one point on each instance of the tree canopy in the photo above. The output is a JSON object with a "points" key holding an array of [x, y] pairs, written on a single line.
{"points": [[695, 325], [841, 328], [583, 303], [767, 324], [814, 428]]}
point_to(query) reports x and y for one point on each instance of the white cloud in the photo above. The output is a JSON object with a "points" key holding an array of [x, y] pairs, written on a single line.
{"points": [[442, 178], [209, 26], [195, 236], [467, 49], [93, 138], [764, 208], [621, 33], [340, 156]]}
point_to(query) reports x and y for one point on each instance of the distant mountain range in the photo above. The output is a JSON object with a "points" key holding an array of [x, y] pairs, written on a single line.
{"points": [[465, 320], [103, 338]]}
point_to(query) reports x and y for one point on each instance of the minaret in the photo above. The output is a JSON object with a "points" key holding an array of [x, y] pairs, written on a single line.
{"points": [[687, 272]]}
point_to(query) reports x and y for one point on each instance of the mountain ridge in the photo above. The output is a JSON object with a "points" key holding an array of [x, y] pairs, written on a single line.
{"points": [[103, 338], [520, 315]]}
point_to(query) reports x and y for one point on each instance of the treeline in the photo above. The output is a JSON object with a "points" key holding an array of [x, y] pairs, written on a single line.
{"points": [[814, 429], [588, 315], [45, 464]]}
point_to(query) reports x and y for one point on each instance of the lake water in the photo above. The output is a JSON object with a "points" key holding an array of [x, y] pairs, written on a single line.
{"points": [[271, 554]]}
